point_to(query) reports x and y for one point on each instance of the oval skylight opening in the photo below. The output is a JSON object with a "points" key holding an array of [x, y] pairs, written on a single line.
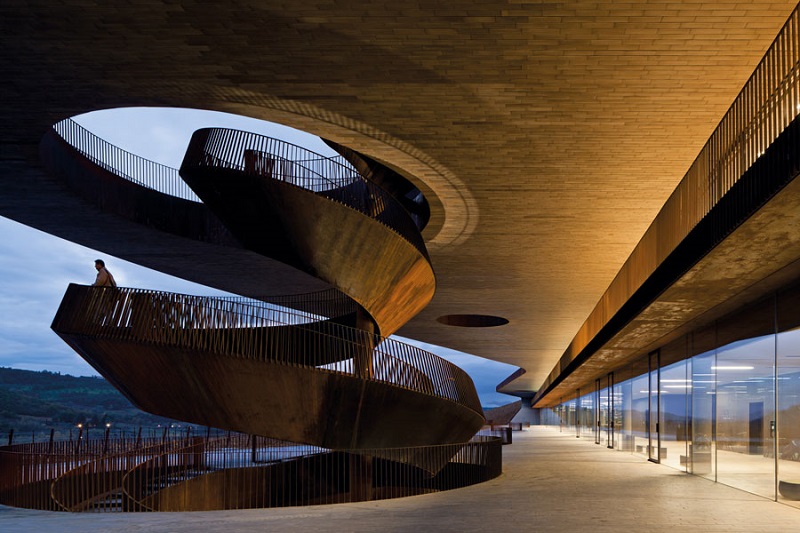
{"points": [[473, 321], [161, 134]]}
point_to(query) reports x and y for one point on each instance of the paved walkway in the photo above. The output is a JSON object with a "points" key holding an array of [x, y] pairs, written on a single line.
{"points": [[552, 483]]}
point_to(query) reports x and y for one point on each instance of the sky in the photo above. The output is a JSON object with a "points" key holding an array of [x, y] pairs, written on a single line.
{"points": [[35, 267]]}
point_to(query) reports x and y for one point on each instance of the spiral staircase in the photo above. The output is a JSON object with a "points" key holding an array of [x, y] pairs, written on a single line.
{"points": [[315, 368]]}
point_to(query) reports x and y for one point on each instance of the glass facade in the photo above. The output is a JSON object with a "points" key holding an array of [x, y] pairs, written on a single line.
{"points": [[721, 402]]}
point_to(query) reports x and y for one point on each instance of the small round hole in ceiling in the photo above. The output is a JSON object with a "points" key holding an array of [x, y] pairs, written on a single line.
{"points": [[472, 321]]}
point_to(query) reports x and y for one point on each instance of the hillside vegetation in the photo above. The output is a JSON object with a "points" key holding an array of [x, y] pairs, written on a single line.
{"points": [[33, 403]]}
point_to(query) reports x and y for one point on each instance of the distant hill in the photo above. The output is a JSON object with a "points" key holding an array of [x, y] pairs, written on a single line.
{"points": [[33, 403]]}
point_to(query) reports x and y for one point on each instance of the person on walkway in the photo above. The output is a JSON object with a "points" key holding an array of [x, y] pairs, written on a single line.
{"points": [[104, 277]]}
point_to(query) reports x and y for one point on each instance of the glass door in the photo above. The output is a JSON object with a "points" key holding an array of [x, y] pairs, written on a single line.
{"points": [[639, 417], [598, 411], [702, 449], [611, 413], [653, 409]]}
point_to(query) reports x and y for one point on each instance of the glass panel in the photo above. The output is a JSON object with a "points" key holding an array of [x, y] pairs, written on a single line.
{"points": [[623, 417], [703, 446], [745, 409], [551, 416], [601, 412], [654, 439], [640, 395], [673, 414], [610, 415], [789, 417], [587, 416], [570, 419]]}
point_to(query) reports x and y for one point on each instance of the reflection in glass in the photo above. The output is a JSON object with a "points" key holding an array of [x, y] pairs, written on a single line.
{"points": [[654, 440], [621, 397], [586, 429], [603, 415], [639, 414], [716, 412], [788, 422], [675, 388], [745, 411], [702, 449], [570, 418]]}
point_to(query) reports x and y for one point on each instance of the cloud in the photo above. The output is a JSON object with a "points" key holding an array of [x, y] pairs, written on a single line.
{"points": [[36, 268], [162, 134]]}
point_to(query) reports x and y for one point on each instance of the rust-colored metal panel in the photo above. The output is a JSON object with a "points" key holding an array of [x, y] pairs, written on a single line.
{"points": [[196, 359]]}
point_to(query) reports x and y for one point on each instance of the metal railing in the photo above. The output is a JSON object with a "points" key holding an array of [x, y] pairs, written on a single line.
{"points": [[329, 303], [257, 155], [501, 432], [332, 177], [244, 329], [224, 470], [312, 306], [266, 156], [166, 179], [767, 106], [124, 164]]}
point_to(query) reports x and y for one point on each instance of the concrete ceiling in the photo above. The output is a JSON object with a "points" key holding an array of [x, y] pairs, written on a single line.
{"points": [[547, 135]]}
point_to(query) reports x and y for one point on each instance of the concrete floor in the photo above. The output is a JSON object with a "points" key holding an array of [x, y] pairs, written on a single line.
{"points": [[552, 483]]}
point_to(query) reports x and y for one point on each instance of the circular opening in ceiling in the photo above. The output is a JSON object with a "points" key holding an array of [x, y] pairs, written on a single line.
{"points": [[473, 321], [162, 134]]}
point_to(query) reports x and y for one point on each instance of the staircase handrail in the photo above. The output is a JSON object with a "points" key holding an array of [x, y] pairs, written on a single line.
{"points": [[299, 166], [166, 318], [131, 167], [259, 155]]}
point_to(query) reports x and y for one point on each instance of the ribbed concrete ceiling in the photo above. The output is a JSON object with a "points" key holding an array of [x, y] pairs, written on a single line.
{"points": [[547, 134]]}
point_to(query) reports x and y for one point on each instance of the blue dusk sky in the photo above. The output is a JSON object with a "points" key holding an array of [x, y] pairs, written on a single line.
{"points": [[35, 267]]}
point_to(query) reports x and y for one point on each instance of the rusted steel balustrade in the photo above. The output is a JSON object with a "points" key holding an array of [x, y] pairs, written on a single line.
{"points": [[329, 303], [246, 329], [258, 155], [45, 475], [131, 167], [226, 471], [98, 321], [332, 177]]}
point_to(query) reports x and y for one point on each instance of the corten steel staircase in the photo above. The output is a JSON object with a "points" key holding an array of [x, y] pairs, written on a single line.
{"points": [[318, 215], [245, 366], [312, 369], [225, 470]]}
